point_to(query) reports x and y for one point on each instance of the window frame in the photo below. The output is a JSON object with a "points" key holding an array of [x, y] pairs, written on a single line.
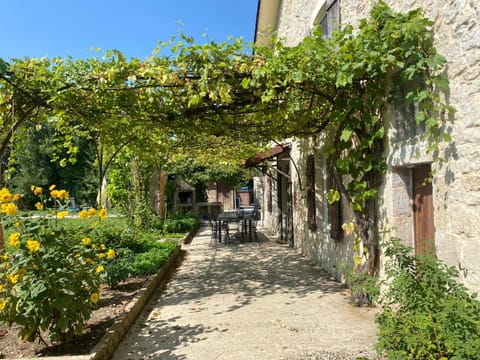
{"points": [[327, 15]]}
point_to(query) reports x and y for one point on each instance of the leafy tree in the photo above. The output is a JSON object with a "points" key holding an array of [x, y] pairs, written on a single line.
{"points": [[22, 99], [33, 161], [129, 185]]}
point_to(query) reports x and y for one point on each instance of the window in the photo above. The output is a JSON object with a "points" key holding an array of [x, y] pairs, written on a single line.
{"points": [[328, 17], [310, 187]]}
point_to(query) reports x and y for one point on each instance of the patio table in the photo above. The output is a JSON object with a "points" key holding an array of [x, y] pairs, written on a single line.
{"points": [[244, 217]]}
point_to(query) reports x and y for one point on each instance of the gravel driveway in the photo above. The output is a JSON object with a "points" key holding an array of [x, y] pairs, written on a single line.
{"points": [[249, 300]]}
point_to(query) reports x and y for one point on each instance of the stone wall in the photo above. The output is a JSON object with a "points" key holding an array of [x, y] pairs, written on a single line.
{"points": [[457, 181], [265, 191], [295, 20], [456, 184]]}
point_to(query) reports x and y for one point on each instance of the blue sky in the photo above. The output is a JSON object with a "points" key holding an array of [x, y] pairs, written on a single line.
{"points": [[36, 28]]}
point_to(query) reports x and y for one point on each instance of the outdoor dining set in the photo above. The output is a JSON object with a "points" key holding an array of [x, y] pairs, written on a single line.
{"points": [[235, 225]]}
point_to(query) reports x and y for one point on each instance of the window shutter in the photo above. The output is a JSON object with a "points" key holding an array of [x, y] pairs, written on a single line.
{"points": [[333, 15], [331, 18], [334, 210], [310, 187], [269, 194]]}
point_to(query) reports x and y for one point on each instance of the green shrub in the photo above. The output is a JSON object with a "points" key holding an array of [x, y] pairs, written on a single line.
{"points": [[120, 268], [149, 262], [150, 238], [51, 288], [427, 314], [52, 268], [119, 236], [174, 235], [365, 289], [179, 225], [137, 251]]}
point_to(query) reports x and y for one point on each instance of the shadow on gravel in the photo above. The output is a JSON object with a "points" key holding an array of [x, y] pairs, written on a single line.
{"points": [[165, 337], [245, 272], [249, 270]]}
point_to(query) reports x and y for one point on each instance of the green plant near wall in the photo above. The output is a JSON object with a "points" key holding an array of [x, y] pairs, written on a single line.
{"points": [[426, 313]]}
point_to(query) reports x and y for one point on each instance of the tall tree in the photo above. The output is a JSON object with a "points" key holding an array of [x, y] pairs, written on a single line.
{"points": [[34, 160]]}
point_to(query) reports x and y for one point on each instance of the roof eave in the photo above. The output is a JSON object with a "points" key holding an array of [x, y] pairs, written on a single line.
{"points": [[267, 21]]}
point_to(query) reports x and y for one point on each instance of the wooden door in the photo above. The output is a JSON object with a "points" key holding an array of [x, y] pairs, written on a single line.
{"points": [[285, 216], [423, 210]]}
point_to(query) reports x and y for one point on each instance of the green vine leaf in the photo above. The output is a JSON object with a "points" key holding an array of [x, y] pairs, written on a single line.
{"points": [[346, 135], [333, 196]]}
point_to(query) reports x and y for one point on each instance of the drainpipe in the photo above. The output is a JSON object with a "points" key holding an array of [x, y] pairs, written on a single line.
{"points": [[235, 198]]}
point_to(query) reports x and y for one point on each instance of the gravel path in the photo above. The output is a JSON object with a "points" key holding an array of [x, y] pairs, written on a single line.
{"points": [[253, 300]]}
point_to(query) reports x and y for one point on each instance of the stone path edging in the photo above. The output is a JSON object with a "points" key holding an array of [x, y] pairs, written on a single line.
{"points": [[109, 342]]}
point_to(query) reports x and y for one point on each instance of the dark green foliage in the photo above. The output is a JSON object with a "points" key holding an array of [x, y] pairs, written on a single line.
{"points": [[138, 252], [196, 174], [128, 188], [34, 161], [365, 288], [178, 225], [149, 262], [116, 234], [427, 314], [120, 268]]}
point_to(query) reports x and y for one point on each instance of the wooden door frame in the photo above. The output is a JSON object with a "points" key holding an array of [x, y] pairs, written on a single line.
{"points": [[285, 199]]}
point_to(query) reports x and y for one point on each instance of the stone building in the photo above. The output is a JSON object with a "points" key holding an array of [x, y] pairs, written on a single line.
{"points": [[450, 213]]}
